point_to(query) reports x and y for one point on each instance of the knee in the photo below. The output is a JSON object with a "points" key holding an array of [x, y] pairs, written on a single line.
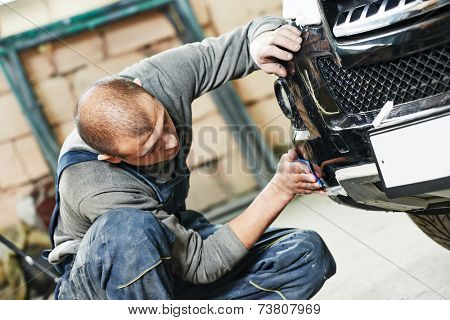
{"points": [[124, 219], [318, 255], [126, 229], [308, 264], [128, 243], [126, 222]]}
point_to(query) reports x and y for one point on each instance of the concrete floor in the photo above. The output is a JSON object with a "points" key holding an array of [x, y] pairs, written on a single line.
{"points": [[378, 255]]}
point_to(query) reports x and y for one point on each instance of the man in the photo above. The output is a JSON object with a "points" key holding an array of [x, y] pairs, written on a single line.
{"points": [[121, 230]]}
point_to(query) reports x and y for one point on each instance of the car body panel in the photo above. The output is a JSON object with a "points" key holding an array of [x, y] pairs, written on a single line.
{"points": [[334, 138]]}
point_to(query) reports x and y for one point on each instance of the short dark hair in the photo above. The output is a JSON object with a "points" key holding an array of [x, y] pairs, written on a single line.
{"points": [[109, 109]]}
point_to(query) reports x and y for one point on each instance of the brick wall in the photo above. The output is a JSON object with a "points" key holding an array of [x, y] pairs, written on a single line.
{"points": [[61, 71]]}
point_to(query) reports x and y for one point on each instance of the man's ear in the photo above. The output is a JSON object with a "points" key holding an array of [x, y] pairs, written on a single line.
{"points": [[111, 159], [138, 82]]}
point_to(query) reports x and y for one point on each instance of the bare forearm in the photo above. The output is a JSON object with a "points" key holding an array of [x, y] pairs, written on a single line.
{"points": [[251, 224]]}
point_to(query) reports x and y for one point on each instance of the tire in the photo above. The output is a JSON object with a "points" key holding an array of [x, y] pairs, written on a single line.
{"points": [[437, 227]]}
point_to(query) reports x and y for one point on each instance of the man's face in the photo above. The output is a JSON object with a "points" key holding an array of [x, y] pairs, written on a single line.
{"points": [[161, 144]]}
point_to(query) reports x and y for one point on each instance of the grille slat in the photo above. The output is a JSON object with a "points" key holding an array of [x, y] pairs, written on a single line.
{"points": [[411, 78]]}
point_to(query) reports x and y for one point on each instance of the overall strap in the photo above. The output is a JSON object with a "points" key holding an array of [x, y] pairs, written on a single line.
{"points": [[68, 159]]}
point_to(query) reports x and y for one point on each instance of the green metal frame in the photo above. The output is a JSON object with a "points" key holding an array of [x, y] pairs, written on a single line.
{"points": [[79, 23], [31, 107], [179, 12]]}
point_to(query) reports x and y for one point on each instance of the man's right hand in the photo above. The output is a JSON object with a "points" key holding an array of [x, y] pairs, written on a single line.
{"points": [[293, 177], [272, 47]]}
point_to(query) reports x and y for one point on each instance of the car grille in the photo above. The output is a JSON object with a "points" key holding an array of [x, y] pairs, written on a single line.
{"points": [[368, 88]]}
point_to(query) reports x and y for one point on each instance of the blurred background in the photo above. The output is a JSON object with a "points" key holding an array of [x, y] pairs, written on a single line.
{"points": [[375, 260]]}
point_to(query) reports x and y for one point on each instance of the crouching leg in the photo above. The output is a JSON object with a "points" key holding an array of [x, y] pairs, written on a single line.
{"points": [[124, 255]]}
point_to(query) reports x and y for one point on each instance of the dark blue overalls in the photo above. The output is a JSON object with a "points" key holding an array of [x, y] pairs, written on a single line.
{"points": [[125, 254]]}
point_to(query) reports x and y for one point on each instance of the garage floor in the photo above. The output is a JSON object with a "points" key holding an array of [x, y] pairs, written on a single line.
{"points": [[379, 255]]}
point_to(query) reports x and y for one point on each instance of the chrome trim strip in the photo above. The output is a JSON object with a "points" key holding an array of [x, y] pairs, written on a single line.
{"points": [[383, 17]]}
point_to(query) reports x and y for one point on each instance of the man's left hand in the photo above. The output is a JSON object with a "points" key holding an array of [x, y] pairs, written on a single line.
{"points": [[272, 47]]}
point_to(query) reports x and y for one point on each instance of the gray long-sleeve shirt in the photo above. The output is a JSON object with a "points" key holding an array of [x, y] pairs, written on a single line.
{"points": [[175, 77]]}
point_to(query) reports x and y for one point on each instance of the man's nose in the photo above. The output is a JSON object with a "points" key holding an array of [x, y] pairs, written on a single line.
{"points": [[170, 141]]}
